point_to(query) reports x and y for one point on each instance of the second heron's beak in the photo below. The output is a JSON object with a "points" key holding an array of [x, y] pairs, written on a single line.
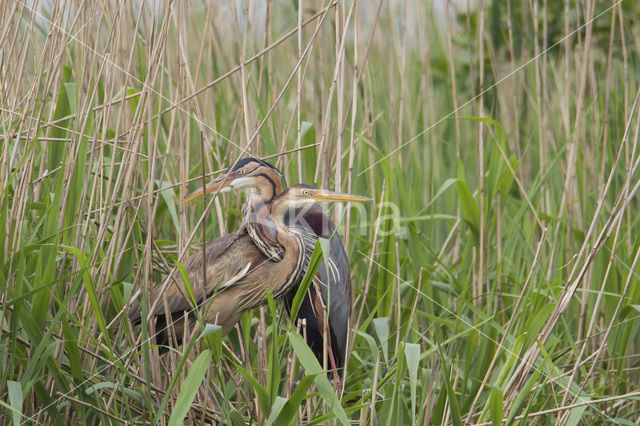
{"points": [[222, 183], [321, 195]]}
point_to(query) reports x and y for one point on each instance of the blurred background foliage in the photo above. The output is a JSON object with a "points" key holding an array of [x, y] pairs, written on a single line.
{"points": [[494, 276]]}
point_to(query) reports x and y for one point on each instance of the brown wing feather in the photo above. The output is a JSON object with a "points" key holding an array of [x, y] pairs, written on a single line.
{"points": [[226, 258]]}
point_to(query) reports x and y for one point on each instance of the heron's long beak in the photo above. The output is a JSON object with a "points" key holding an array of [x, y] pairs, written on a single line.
{"points": [[321, 195], [218, 184]]}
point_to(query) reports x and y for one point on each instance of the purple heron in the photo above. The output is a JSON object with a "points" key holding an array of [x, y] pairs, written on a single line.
{"points": [[332, 289], [237, 272]]}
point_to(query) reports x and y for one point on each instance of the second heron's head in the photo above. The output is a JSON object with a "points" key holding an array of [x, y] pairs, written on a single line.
{"points": [[248, 173], [301, 195]]}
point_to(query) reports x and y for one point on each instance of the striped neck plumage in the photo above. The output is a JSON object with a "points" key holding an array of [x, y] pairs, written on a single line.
{"points": [[302, 239], [260, 226], [256, 210]]}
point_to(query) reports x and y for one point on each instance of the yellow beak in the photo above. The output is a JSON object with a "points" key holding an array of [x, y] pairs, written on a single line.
{"points": [[321, 195], [214, 186]]}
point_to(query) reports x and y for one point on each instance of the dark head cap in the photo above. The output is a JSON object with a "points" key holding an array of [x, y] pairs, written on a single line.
{"points": [[246, 164]]}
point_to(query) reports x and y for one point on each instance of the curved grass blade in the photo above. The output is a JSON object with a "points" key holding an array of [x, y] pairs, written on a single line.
{"points": [[190, 387]]}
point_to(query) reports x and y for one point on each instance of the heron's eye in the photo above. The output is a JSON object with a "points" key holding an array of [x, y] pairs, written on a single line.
{"points": [[240, 172], [305, 192]]}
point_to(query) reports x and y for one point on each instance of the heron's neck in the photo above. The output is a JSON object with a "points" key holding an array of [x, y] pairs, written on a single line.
{"points": [[261, 197], [269, 187], [256, 214], [260, 226], [290, 229], [298, 246]]}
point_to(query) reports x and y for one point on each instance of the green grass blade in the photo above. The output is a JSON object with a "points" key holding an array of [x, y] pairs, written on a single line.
{"points": [[412, 353], [190, 387], [314, 263], [453, 400], [290, 409], [311, 365], [496, 406], [276, 408], [15, 400]]}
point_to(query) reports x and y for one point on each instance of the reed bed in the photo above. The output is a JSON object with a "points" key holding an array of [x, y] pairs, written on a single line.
{"points": [[495, 274]]}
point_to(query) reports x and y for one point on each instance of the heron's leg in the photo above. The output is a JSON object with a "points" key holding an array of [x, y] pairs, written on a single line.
{"points": [[193, 330], [321, 312], [302, 326], [295, 383], [337, 383]]}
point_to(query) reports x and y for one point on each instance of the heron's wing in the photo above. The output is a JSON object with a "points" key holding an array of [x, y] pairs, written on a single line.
{"points": [[319, 221], [228, 259], [335, 284], [339, 294]]}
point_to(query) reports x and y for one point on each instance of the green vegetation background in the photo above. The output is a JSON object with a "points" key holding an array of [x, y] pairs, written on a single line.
{"points": [[498, 284]]}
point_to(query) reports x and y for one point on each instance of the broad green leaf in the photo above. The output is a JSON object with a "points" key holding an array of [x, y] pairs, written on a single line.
{"points": [[496, 164], [309, 156], [174, 379], [169, 197], [127, 289], [135, 100], [468, 205], [290, 409], [72, 96], [505, 182], [276, 408], [412, 353], [273, 372], [381, 326], [495, 406], [15, 400], [446, 185], [621, 421], [325, 246], [373, 347], [63, 109], [212, 334], [190, 387], [311, 365], [210, 329]]}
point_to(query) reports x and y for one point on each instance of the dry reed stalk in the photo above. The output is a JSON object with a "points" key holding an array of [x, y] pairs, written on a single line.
{"points": [[322, 151], [582, 263]]}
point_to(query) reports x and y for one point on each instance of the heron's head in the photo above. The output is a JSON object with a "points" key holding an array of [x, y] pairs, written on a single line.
{"points": [[248, 173], [302, 195]]}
